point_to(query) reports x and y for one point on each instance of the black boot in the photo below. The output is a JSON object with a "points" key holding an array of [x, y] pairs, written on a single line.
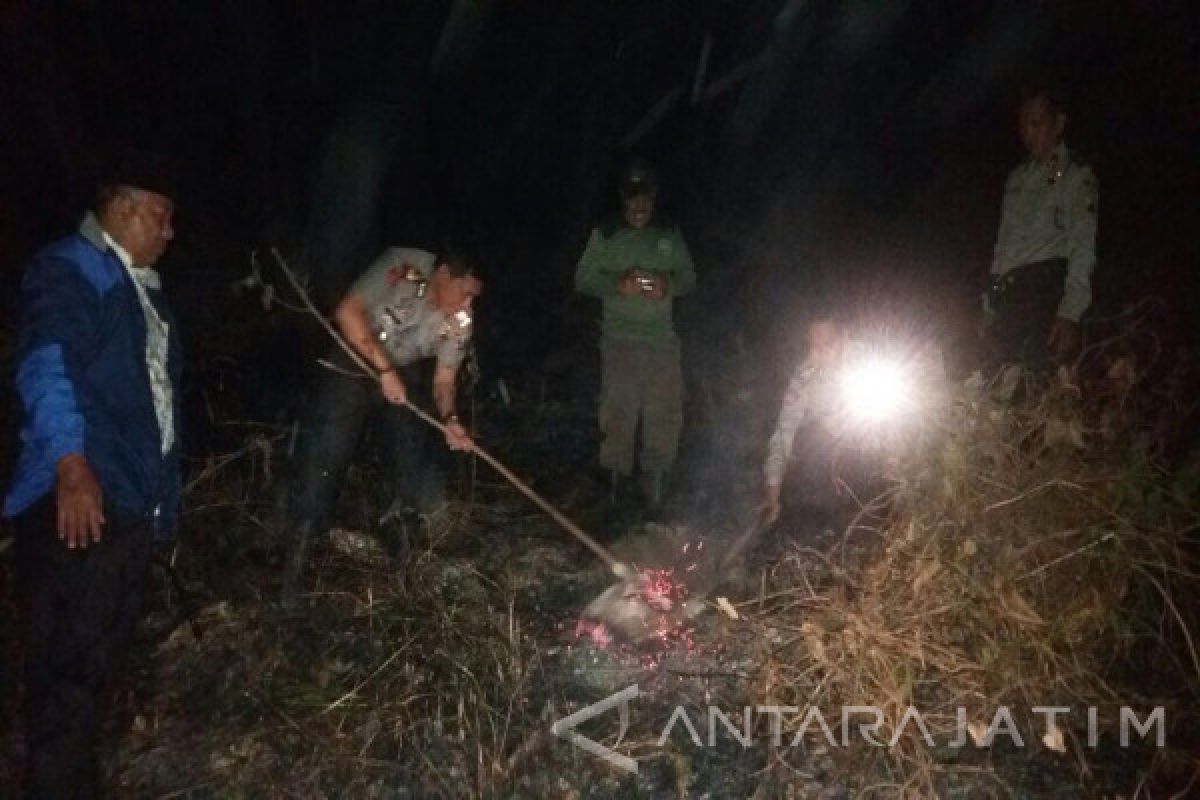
{"points": [[293, 564], [395, 530]]}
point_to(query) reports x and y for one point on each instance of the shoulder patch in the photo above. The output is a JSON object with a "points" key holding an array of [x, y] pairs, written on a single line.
{"points": [[399, 273]]}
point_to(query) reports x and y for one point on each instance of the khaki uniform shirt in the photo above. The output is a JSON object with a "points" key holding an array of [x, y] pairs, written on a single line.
{"points": [[398, 307], [1049, 211], [816, 395]]}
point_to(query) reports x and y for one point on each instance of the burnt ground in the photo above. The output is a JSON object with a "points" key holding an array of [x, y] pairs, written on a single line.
{"points": [[439, 675]]}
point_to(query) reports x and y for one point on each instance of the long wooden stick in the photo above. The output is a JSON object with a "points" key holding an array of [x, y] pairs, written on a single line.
{"points": [[537, 499], [620, 570]]}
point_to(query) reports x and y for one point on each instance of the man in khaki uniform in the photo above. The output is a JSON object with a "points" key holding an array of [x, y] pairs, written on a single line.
{"points": [[637, 266], [823, 447], [409, 306], [1046, 246]]}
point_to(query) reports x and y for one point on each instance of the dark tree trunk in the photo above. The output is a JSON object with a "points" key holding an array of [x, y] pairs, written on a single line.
{"points": [[373, 186]]}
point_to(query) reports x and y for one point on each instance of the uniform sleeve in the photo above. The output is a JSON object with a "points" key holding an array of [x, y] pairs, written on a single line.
{"points": [[1004, 231], [594, 275], [1082, 204], [58, 328], [683, 275], [796, 402], [372, 284]]}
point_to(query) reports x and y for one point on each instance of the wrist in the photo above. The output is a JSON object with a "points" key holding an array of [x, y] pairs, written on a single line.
{"points": [[70, 464]]}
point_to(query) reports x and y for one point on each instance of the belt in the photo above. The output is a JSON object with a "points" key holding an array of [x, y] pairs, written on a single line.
{"points": [[1040, 278]]}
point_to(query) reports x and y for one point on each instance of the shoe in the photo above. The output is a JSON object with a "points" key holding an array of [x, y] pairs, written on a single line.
{"points": [[397, 538]]}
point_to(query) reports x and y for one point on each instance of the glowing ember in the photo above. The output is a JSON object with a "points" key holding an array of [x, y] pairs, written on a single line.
{"points": [[648, 610], [597, 632], [660, 590]]}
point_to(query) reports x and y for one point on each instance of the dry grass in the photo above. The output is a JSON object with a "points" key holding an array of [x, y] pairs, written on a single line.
{"points": [[1026, 554], [1019, 559]]}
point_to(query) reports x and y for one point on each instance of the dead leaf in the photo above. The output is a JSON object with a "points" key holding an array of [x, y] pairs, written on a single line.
{"points": [[727, 608], [1053, 739]]}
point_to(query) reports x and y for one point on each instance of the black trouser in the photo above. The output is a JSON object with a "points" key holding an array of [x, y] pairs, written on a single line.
{"points": [[1025, 303], [329, 437], [824, 478], [80, 607]]}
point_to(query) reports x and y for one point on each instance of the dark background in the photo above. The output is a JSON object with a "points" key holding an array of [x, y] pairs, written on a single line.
{"points": [[848, 152]]}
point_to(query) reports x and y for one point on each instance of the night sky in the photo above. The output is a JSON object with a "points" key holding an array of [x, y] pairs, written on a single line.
{"points": [[837, 152]]}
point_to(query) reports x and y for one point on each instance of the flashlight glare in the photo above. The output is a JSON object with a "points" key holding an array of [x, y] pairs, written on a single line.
{"points": [[875, 390]]}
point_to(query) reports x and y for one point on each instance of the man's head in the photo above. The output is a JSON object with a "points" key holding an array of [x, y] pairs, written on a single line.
{"points": [[1041, 121], [639, 188], [139, 220], [135, 205], [456, 281], [824, 341]]}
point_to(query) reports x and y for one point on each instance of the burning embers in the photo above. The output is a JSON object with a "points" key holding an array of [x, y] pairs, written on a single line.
{"points": [[633, 612]]}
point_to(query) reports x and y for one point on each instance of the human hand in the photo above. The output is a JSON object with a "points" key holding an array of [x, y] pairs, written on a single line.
{"points": [[627, 284], [457, 437], [80, 502], [658, 289], [1063, 340], [392, 387]]}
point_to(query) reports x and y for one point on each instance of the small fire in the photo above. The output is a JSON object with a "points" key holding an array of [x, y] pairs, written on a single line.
{"points": [[657, 599], [597, 632], [660, 590]]}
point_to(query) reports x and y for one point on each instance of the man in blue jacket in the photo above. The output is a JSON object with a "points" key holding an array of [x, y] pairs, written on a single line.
{"points": [[98, 479]]}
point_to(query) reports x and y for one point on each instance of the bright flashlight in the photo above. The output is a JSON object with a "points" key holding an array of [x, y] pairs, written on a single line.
{"points": [[875, 390]]}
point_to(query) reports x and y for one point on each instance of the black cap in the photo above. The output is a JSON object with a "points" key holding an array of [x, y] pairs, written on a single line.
{"points": [[148, 170], [638, 178]]}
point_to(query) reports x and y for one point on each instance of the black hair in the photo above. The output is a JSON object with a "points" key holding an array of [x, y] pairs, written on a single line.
{"points": [[135, 168], [106, 194], [458, 260], [1053, 92]]}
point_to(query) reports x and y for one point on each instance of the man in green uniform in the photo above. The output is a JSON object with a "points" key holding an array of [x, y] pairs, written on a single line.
{"points": [[637, 266], [1046, 246]]}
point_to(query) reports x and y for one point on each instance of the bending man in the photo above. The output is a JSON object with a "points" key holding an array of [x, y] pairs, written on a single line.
{"points": [[409, 306]]}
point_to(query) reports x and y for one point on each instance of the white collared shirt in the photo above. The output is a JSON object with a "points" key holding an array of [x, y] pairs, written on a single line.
{"points": [[156, 344]]}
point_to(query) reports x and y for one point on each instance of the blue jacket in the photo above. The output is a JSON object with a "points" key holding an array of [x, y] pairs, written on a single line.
{"points": [[83, 383]]}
